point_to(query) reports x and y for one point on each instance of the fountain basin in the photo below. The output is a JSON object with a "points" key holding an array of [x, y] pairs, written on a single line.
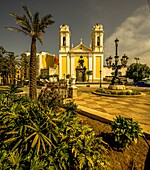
{"points": [[117, 87], [118, 92]]}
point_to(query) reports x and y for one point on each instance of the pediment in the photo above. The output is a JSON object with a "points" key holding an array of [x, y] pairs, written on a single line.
{"points": [[81, 48]]}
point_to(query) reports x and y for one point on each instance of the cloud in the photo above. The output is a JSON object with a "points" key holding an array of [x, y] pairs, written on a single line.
{"points": [[134, 37]]}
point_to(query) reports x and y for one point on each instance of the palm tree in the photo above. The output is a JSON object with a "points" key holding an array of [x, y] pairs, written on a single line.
{"points": [[32, 26], [8, 65], [4, 70], [25, 65], [12, 63]]}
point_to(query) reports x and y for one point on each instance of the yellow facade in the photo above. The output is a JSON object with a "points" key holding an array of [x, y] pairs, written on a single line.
{"points": [[45, 61], [92, 55], [64, 64], [98, 63]]}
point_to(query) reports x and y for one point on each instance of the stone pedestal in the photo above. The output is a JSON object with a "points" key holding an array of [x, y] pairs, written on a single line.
{"points": [[73, 92], [73, 88], [117, 87]]}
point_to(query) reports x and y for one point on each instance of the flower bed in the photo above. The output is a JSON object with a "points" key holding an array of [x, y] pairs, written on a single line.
{"points": [[118, 93]]}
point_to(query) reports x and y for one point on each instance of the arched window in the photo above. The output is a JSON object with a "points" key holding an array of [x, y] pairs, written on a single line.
{"points": [[64, 41], [98, 41]]}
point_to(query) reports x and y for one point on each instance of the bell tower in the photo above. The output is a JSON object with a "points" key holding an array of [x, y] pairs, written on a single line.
{"points": [[64, 48], [64, 38], [97, 38]]}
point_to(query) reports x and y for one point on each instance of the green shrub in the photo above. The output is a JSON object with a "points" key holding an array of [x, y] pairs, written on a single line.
{"points": [[8, 98], [125, 130], [113, 92], [137, 93], [120, 93], [18, 91], [108, 92], [70, 106], [36, 136], [101, 91], [128, 93], [50, 98]]}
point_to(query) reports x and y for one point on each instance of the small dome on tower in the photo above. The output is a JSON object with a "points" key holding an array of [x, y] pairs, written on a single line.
{"points": [[97, 27], [64, 27]]}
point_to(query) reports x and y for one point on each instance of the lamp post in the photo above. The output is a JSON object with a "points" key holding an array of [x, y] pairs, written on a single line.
{"points": [[100, 85], [100, 78], [115, 65]]}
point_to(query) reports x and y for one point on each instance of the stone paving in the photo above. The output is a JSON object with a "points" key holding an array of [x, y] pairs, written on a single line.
{"points": [[137, 108], [106, 108]]}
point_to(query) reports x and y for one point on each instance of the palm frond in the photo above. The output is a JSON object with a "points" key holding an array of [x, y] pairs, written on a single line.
{"points": [[14, 15], [17, 29], [26, 139], [36, 18], [29, 14], [45, 21], [22, 20], [36, 138], [36, 23], [26, 29], [19, 19], [38, 146], [43, 144], [26, 22]]}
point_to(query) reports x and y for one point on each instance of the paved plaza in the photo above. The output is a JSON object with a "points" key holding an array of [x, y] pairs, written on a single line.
{"points": [[104, 107]]}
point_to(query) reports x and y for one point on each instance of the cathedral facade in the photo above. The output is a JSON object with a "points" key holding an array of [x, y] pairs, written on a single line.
{"points": [[77, 61]]}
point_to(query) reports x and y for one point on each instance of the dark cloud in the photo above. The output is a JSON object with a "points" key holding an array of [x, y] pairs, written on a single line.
{"points": [[134, 35], [80, 15]]}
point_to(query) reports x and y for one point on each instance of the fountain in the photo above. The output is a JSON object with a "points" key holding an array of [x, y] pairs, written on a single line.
{"points": [[117, 87]]}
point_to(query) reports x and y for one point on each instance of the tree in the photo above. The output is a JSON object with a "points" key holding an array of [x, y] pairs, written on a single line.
{"points": [[12, 63], [4, 70], [25, 65], [138, 72], [8, 65], [32, 26]]}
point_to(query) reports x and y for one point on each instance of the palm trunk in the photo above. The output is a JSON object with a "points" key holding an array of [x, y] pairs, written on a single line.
{"points": [[32, 88]]}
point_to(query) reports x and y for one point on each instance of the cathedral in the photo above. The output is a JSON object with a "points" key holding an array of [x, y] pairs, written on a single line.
{"points": [[77, 61]]}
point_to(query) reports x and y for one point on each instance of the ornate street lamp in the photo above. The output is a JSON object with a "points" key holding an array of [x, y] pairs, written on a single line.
{"points": [[124, 60], [115, 65], [109, 61]]}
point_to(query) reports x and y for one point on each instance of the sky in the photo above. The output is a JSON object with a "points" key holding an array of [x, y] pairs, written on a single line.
{"points": [[127, 20]]}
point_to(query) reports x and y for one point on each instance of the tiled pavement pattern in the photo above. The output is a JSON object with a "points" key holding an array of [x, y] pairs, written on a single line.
{"points": [[137, 108]]}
